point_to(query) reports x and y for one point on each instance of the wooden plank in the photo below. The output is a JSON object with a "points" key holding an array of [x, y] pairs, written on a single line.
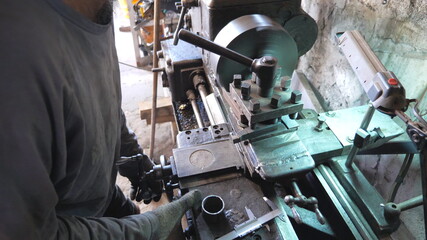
{"points": [[164, 111]]}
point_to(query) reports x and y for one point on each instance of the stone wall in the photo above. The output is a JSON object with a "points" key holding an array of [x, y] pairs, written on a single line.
{"points": [[397, 33]]}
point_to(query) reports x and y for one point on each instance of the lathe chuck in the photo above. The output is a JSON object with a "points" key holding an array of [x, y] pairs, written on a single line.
{"points": [[254, 36]]}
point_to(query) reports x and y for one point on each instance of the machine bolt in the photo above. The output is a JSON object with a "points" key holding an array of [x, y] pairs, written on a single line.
{"points": [[246, 91], [237, 80], [168, 61], [321, 120], [293, 116], [285, 83], [296, 96], [254, 106], [275, 101], [268, 60]]}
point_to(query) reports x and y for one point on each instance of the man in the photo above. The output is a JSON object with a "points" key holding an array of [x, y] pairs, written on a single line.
{"points": [[61, 128]]}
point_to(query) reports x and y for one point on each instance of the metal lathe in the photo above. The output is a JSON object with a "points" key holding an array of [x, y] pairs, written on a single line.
{"points": [[251, 140]]}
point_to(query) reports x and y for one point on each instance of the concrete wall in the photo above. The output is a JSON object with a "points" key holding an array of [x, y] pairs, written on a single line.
{"points": [[397, 33]]}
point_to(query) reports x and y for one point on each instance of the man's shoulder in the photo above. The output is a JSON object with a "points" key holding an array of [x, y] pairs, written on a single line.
{"points": [[29, 31]]}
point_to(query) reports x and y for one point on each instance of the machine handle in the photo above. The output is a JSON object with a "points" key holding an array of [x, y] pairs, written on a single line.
{"points": [[213, 47], [179, 26]]}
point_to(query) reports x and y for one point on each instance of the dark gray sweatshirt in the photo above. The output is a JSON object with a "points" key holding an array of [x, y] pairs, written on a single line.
{"points": [[60, 126]]}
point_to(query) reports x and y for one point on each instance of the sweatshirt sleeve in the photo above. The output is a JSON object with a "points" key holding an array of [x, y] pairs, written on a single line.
{"points": [[129, 144], [27, 194]]}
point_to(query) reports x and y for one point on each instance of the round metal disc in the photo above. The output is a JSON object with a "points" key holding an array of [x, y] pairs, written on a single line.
{"points": [[254, 36]]}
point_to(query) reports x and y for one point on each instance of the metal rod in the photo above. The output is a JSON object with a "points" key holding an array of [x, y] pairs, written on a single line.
{"points": [[213, 47], [364, 125], [411, 203], [423, 163], [155, 75], [180, 24], [368, 116], [203, 93], [192, 98], [402, 173], [297, 190]]}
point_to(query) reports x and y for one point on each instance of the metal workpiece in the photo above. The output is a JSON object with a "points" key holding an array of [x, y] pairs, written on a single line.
{"points": [[192, 98], [213, 209], [382, 86], [238, 194]]}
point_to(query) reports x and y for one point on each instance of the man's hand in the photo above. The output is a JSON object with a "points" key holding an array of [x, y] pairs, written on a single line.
{"points": [[143, 186]]}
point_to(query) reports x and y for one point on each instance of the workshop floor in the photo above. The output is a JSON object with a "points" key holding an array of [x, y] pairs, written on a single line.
{"points": [[137, 87]]}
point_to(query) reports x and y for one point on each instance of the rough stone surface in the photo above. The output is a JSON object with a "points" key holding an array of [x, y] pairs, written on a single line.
{"points": [[397, 32]]}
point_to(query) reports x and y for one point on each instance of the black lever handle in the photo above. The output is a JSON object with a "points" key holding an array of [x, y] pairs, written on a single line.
{"points": [[263, 67], [213, 47], [180, 24]]}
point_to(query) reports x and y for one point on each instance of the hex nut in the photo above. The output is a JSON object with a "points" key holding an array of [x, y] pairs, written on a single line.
{"points": [[237, 80], [275, 101], [254, 106], [296, 96], [246, 91], [320, 121], [285, 83]]}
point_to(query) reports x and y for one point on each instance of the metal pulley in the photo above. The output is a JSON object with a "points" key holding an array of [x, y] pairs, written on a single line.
{"points": [[254, 36]]}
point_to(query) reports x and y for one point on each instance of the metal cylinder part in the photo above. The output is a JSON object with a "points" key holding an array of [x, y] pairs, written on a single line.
{"points": [[212, 208], [192, 98], [203, 93]]}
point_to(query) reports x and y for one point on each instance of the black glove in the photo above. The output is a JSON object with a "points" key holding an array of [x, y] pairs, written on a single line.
{"points": [[143, 185]]}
